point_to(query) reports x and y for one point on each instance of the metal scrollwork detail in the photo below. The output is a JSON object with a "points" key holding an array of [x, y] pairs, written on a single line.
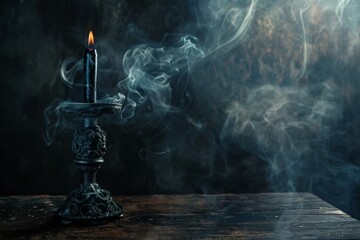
{"points": [[89, 143], [89, 202]]}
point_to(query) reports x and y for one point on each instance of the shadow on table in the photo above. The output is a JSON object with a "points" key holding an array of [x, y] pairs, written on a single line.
{"points": [[52, 226]]}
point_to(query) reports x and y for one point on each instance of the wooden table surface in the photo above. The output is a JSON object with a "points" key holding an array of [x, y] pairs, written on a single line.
{"points": [[237, 216]]}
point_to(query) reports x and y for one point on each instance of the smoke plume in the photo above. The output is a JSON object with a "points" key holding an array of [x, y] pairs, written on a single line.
{"points": [[272, 79]]}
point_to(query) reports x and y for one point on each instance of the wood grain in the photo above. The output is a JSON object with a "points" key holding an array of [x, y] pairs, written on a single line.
{"points": [[238, 216]]}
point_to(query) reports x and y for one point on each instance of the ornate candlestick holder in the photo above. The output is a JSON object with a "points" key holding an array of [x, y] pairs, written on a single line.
{"points": [[89, 202]]}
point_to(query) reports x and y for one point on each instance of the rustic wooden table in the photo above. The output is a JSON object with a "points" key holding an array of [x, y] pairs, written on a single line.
{"points": [[239, 216]]}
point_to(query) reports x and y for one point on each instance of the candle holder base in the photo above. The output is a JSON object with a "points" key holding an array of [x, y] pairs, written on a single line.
{"points": [[89, 203]]}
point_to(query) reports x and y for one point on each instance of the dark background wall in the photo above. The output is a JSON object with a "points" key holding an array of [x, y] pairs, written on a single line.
{"points": [[269, 107]]}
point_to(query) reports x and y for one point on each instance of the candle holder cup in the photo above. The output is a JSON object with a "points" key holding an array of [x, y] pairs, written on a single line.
{"points": [[89, 202]]}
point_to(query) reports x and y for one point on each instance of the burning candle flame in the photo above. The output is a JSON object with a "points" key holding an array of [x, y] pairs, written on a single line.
{"points": [[91, 39]]}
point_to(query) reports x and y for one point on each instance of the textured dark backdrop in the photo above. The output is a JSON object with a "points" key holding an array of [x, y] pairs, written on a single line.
{"points": [[255, 119]]}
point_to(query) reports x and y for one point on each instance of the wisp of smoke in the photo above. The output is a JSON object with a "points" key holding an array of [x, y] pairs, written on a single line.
{"points": [[150, 68], [295, 123]]}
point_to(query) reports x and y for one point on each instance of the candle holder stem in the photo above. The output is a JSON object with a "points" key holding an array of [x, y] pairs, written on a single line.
{"points": [[89, 202]]}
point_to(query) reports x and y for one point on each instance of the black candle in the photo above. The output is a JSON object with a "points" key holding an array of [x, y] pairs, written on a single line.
{"points": [[90, 71]]}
